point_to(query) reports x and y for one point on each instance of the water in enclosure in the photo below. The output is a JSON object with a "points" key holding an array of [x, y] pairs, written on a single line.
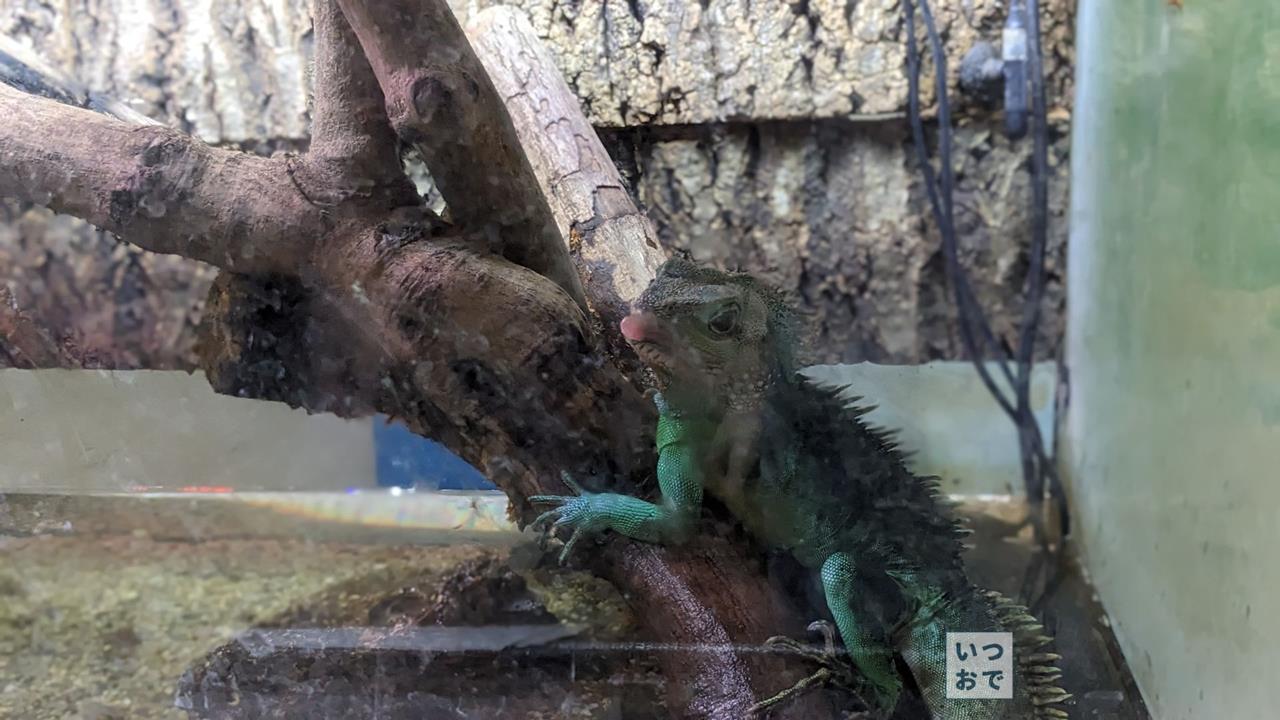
{"points": [[716, 360]]}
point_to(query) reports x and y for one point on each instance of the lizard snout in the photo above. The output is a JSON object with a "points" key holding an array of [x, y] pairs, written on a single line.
{"points": [[641, 327]]}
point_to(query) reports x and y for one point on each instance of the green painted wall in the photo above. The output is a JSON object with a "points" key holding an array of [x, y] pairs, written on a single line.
{"points": [[1172, 439]]}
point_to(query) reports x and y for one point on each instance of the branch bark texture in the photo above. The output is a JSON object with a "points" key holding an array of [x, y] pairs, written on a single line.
{"points": [[342, 293], [440, 100], [165, 191], [612, 243]]}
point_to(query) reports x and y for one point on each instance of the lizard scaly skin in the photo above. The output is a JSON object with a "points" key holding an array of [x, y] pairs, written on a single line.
{"points": [[805, 475]]}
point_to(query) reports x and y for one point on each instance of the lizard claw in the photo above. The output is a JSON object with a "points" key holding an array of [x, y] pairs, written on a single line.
{"points": [[554, 499], [833, 670], [574, 511], [568, 547], [828, 635], [573, 484], [828, 652]]}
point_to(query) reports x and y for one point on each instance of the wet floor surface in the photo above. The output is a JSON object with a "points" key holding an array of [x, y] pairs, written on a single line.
{"points": [[1093, 668]]}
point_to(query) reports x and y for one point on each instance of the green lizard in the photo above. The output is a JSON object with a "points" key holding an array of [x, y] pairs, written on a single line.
{"points": [[805, 475]]}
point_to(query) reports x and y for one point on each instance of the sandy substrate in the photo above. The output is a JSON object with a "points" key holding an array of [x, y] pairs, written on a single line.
{"points": [[96, 628], [99, 625]]}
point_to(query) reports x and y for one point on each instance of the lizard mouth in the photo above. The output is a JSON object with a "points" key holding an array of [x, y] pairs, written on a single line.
{"points": [[651, 341], [653, 358]]}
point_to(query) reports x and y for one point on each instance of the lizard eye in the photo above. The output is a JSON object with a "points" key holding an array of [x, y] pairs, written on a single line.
{"points": [[725, 321]]}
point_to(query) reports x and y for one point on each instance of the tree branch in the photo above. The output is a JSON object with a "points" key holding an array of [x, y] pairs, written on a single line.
{"points": [[712, 593], [440, 100], [612, 243], [164, 191], [364, 306], [353, 149]]}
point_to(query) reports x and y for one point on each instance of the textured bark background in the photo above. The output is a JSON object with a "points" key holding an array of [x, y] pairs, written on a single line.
{"points": [[767, 136]]}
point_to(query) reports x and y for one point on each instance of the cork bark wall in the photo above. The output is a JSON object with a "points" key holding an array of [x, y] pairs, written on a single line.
{"points": [[834, 211], [764, 135]]}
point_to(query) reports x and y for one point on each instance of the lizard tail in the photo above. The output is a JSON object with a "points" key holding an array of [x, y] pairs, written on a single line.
{"points": [[1036, 666]]}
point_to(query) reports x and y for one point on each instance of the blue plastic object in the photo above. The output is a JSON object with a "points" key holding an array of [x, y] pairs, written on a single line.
{"points": [[408, 461]]}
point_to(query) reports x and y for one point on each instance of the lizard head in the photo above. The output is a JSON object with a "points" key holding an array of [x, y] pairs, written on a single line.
{"points": [[711, 338]]}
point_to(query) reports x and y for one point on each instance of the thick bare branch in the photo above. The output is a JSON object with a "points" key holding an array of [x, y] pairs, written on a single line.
{"points": [[162, 190], [439, 99], [353, 149], [515, 385], [372, 309], [389, 319], [713, 593], [612, 243]]}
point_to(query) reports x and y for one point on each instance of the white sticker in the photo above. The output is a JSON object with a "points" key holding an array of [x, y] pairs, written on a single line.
{"points": [[1015, 44], [979, 666]]}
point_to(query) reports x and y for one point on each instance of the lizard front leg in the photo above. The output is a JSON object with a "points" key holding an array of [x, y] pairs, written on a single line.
{"points": [[669, 521]]}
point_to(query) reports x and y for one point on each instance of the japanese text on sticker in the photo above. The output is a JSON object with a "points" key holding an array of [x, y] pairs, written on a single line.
{"points": [[979, 666]]}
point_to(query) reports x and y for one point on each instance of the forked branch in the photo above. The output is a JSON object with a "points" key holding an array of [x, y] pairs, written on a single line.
{"points": [[353, 150], [440, 100], [362, 305]]}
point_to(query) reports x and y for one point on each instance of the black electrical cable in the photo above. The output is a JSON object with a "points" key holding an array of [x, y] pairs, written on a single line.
{"points": [[1037, 464], [940, 192], [1035, 282], [970, 313], [939, 198], [1039, 226]]}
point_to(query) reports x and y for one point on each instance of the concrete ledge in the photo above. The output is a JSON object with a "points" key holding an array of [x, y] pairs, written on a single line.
{"points": [[946, 417]]}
